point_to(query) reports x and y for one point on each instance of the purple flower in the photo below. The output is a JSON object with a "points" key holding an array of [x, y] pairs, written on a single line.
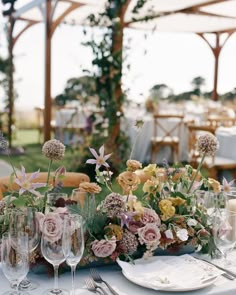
{"points": [[104, 248], [25, 182], [100, 160], [227, 185]]}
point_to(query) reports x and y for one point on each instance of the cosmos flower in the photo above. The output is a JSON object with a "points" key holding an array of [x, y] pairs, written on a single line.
{"points": [[25, 182], [100, 160]]}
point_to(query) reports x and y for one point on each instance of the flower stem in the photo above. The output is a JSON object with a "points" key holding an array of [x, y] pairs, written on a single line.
{"points": [[47, 181], [13, 168], [198, 169]]}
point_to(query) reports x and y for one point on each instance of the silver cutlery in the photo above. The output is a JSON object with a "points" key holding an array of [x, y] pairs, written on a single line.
{"points": [[98, 279], [227, 271], [93, 287]]}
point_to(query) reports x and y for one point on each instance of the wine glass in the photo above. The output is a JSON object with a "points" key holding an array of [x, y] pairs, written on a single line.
{"points": [[55, 200], [73, 243], [15, 259], [24, 219], [224, 231], [51, 248]]}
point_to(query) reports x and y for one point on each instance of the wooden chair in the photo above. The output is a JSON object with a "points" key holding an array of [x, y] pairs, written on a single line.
{"points": [[217, 121], [166, 136], [213, 165], [72, 179]]}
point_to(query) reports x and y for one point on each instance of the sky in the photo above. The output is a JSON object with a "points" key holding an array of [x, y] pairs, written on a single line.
{"points": [[171, 58]]}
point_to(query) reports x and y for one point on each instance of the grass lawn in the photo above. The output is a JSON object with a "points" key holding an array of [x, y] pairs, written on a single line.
{"points": [[33, 159]]}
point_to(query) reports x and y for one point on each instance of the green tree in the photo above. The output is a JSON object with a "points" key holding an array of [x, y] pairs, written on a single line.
{"points": [[197, 84]]}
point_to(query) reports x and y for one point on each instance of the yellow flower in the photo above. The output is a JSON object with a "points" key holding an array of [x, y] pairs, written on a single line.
{"points": [[151, 185], [114, 230], [128, 181], [136, 206], [90, 187], [150, 169], [167, 209], [133, 165], [215, 185], [177, 201]]}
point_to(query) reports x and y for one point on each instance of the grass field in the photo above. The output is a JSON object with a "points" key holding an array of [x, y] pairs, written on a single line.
{"points": [[33, 159]]}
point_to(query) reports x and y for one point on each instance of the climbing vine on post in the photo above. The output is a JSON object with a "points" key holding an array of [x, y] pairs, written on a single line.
{"points": [[108, 61]]}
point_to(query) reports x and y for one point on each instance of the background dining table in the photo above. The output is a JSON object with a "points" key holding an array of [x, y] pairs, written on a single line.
{"points": [[114, 276]]}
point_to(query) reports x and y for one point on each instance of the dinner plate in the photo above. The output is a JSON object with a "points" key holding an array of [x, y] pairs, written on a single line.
{"points": [[202, 285], [145, 274]]}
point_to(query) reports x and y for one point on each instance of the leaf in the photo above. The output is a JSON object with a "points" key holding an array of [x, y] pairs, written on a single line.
{"points": [[20, 202], [43, 189], [11, 180]]}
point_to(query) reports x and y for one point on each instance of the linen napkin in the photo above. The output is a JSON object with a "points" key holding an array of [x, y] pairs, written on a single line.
{"points": [[169, 272]]}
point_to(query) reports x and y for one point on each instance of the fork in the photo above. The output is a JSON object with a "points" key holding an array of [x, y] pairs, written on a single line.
{"points": [[97, 278], [93, 287]]}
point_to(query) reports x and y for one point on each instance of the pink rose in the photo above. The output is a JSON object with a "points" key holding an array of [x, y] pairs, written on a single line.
{"points": [[133, 226], [52, 227], [150, 216], [149, 234], [104, 248]]}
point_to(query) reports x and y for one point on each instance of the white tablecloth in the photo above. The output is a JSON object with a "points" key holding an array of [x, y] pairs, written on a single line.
{"points": [[142, 147], [114, 276], [227, 141]]}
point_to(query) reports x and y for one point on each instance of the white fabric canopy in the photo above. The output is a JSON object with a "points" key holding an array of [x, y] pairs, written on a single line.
{"points": [[198, 16]]}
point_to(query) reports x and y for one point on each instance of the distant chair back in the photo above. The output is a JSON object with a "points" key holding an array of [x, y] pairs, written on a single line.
{"points": [[167, 132]]}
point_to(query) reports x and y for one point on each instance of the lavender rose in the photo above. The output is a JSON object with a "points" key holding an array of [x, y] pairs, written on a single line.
{"points": [[133, 226], [104, 248], [52, 227], [149, 234], [150, 216]]}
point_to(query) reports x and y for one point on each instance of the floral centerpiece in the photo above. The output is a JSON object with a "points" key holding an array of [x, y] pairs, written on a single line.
{"points": [[153, 207]]}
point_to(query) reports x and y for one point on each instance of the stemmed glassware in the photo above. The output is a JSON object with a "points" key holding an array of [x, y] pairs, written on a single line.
{"points": [[51, 248], [55, 200], [15, 259], [73, 243], [224, 231], [24, 220]]}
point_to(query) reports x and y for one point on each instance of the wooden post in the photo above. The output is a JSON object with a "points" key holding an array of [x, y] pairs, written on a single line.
{"points": [[216, 51], [47, 93], [11, 80]]}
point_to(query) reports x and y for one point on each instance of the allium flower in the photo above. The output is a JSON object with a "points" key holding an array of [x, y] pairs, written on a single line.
{"points": [[90, 187], [103, 248], [3, 142], [150, 216], [207, 144], [25, 183], [54, 150], [100, 160], [129, 242], [114, 205]]}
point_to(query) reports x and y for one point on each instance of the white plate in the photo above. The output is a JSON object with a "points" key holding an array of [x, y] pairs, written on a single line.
{"points": [[183, 263], [205, 284]]}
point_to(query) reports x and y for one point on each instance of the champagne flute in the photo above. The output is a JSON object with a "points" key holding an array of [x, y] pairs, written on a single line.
{"points": [[224, 231], [73, 243], [55, 200], [15, 259], [25, 220], [51, 248]]}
